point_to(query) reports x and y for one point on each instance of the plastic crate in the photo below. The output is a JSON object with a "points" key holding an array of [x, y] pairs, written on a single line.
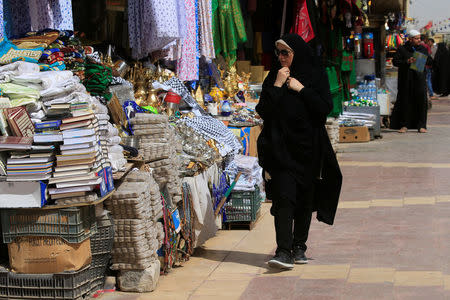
{"points": [[97, 284], [74, 225], [67, 285], [99, 265], [102, 242], [242, 206]]}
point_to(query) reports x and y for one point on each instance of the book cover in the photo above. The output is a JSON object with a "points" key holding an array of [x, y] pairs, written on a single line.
{"points": [[79, 118], [30, 171], [15, 142], [76, 146], [74, 162], [72, 178], [80, 140], [419, 64], [36, 177], [89, 182], [67, 195], [70, 173], [76, 124], [29, 160], [73, 168], [19, 121], [29, 166], [76, 133], [69, 157], [48, 124], [47, 138], [92, 149], [85, 188]]}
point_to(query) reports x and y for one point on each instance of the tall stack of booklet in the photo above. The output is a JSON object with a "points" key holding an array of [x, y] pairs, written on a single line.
{"points": [[77, 165], [28, 162]]}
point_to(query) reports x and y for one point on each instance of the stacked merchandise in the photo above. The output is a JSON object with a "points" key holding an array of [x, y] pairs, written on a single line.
{"points": [[245, 199], [197, 154], [136, 206], [158, 144], [49, 253], [251, 172], [332, 127], [109, 137], [33, 165], [101, 247], [79, 161], [348, 119]]}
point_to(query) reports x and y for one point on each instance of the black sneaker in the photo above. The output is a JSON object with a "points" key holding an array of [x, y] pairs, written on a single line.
{"points": [[299, 256], [282, 260]]}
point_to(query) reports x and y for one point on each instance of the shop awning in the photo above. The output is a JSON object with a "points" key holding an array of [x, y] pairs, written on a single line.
{"points": [[382, 7]]}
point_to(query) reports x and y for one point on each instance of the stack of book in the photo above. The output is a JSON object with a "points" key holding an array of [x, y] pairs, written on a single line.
{"points": [[33, 165], [76, 171], [47, 132]]}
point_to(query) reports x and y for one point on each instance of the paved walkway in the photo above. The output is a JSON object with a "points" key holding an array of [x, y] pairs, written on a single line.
{"points": [[391, 238]]}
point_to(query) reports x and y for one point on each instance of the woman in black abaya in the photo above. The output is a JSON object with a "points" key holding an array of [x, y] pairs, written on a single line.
{"points": [[301, 171]]}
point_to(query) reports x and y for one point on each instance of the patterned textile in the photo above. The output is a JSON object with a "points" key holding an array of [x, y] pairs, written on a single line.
{"points": [[16, 14], [212, 128], [1, 20], [179, 88], [188, 65], [205, 32], [55, 14], [228, 28], [152, 25]]}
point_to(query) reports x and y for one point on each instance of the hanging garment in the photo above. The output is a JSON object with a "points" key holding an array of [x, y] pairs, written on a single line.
{"points": [[302, 24], [205, 26], [228, 28], [1, 20], [16, 15], [55, 14], [188, 64], [152, 25]]}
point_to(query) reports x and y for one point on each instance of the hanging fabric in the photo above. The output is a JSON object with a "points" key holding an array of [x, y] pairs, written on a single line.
{"points": [[228, 28], [188, 65], [283, 19], [152, 25], [302, 24], [205, 26]]}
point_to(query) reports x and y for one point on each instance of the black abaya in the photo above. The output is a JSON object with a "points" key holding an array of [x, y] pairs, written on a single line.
{"points": [[410, 109], [441, 70]]}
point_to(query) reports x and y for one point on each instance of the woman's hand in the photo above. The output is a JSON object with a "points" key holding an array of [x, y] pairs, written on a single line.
{"points": [[294, 84], [282, 76], [411, 60]]}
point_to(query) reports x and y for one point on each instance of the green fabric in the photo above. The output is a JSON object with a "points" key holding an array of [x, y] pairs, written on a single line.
{"points": [[228, 28], [97, 79], [336, 92]]}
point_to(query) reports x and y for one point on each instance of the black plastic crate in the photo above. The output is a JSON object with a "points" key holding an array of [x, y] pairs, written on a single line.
{"points": [[97, 284], [102, 242], [74, 225], [242, 206], [66, 285], [99, 265]]}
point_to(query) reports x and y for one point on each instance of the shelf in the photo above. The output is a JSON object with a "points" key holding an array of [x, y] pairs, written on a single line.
{"points": [[98, 201], [119, 175]]}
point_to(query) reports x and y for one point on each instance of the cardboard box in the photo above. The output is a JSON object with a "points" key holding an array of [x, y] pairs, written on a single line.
{"points": [[358, 134], [23, 194], [257, 75], [243, 66], [47, 255]]}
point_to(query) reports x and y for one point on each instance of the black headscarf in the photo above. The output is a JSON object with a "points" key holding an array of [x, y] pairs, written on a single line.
{"points": [[304, 62]]}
